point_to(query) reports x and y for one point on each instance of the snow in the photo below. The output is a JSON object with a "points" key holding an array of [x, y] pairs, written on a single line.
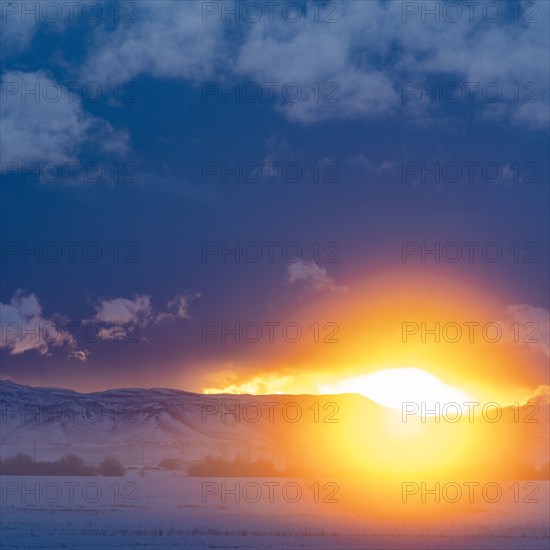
{"points": [[164, 510]]}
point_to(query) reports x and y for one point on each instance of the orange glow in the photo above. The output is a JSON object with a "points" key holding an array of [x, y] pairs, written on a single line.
{"points": [[384, 322], [405, 338]]}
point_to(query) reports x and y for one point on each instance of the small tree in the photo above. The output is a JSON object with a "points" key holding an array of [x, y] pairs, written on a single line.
{"points": [[70, 465], [20, 464], [111, 467]]}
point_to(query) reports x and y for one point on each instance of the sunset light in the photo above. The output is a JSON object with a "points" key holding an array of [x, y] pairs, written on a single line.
{"points": [[394, 387], [275, 274]]}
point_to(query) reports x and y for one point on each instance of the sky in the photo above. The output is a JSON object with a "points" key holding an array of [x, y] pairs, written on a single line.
{"points": [[325, 182]]}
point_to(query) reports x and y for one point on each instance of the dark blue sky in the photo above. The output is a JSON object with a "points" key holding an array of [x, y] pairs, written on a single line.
{"points": [[153, 147]]}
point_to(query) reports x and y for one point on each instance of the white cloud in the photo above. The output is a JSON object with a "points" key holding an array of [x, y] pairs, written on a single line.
{"points": [[312, 277], [178, 307], [23, 327], [120, 318], [22, 20], [315, 56], [79, 355], [369, 53], [51, 127], [124, 311], [533, 329], [168, 39], [17, 33], [541, 395], [384, 167]]}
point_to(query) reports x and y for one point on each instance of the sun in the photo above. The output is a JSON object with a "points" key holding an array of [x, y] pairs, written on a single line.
{"points": [[395, 387]]}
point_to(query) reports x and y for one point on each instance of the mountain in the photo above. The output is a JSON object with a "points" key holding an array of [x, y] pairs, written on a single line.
{"points": [[142, 427], [304, 433]]}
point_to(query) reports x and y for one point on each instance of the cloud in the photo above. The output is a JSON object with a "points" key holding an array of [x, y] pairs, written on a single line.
{"points": [[121, 318], [124, 311], [384, 167], [178, 307], [533, 326], [354, 67], [50, 127], [167, 40], [22, 20], [79, 355], [316, 60], [17, 32], [262, 384], [24, 328], [312, 277], [541, 395], [536, 448]]}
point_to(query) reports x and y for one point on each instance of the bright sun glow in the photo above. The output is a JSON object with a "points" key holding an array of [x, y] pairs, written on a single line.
{"points": [[393, 387]]}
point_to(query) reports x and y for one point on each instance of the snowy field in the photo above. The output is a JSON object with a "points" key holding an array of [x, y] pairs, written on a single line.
{"points": [[167, 510]]}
